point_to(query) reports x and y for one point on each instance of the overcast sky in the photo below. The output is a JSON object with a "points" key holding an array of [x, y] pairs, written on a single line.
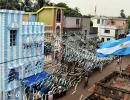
{"points": [[103, 7]]}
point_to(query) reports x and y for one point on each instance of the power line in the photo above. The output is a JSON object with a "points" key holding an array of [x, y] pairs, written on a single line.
{"points": [[20, 58]]}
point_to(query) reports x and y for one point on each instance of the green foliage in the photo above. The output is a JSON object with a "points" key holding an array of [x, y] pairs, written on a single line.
{"points": [[129, 21], [122, 14], [29, 5], [69, 11]]}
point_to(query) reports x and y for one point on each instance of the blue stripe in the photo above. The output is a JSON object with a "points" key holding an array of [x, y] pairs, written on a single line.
{"points": [[6, 52], [113, 43], [23, 28], [28, 31], [33, 49], [36, 49], [0, 40]]}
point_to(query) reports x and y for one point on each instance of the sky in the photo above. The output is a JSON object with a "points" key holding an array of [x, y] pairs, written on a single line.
{"points": [[103, 7]]}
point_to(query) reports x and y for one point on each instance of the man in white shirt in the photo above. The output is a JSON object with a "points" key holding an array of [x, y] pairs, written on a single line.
{"points": [[50, 95]]}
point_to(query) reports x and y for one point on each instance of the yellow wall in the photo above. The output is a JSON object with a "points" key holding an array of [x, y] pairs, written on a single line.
{"points": [[46, 16], [25, 17]]}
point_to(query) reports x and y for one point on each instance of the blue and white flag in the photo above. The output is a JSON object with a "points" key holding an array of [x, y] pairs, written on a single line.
{"points": [[114, 47]]}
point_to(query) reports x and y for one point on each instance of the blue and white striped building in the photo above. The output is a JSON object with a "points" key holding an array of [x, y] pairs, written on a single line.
{"points": [[21, 52]]}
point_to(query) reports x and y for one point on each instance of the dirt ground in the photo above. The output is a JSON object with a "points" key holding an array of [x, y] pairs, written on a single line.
{"points": [[80, 93]]}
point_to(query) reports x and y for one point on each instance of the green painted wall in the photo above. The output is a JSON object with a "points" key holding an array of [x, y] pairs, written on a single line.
{"points": [[46, 16]]}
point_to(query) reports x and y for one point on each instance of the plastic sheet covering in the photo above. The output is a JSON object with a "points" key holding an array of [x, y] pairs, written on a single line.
{"points": [[35, 78]]}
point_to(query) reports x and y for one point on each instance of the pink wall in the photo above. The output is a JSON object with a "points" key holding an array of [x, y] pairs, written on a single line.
{"points": [[117, 22]]}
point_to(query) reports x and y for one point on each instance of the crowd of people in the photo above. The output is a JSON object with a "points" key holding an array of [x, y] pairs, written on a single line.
{"points": [[37, 95]]}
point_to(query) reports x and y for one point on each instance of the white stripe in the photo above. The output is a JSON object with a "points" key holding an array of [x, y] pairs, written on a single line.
{"points": [[20, 45], [39, 29], [2, 42], [113, 49], [14, 47], [0, 54], [9, 21], [8, 47]]}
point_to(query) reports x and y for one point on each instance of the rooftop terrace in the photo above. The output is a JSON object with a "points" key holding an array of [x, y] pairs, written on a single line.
{"points": [[115, 86]]}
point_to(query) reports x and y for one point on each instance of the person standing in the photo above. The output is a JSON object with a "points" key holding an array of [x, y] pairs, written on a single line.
{"points": [[120, 61], [86, 81], [30, 95], [50, 95]]}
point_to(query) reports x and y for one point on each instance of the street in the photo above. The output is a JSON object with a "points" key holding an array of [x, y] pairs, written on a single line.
{"points": [[80, 93]]}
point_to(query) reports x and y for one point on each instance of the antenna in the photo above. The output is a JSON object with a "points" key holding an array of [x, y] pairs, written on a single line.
{"points": [[95, 10]]}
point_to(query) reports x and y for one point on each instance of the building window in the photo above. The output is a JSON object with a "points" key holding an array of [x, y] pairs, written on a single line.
{"points": [[108, 39], [77, 21], [112, 22], [13, 37], [85, 31], [107, 31], [13, 74], [102, 39], [98, 21], [58, 15]]}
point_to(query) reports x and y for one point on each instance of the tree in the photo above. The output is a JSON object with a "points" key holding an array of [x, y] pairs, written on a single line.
{"points": [[62, 5], [77, 9], [41, 3], [122, 14], [129, 22], [69, 11]]}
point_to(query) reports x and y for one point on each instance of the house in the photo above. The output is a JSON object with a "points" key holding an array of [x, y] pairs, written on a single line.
{"points": [[109, 28], [120, 22], [53, 18], [21, 53], [77, 24], [107, 33]]}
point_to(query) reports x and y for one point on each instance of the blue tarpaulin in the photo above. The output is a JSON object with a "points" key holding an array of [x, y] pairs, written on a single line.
{"points": [[35, 78]]}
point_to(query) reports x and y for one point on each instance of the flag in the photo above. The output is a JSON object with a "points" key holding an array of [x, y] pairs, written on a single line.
{"points": [[114, 47]]}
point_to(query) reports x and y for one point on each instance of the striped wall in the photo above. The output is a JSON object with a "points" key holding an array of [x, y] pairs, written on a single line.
{"points": [[32, 46], [24, 56]]}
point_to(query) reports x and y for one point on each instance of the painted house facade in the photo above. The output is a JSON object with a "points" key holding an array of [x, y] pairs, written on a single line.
{"points": [[109, 28], [21, 53], [77, 24], [53, 19]]}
